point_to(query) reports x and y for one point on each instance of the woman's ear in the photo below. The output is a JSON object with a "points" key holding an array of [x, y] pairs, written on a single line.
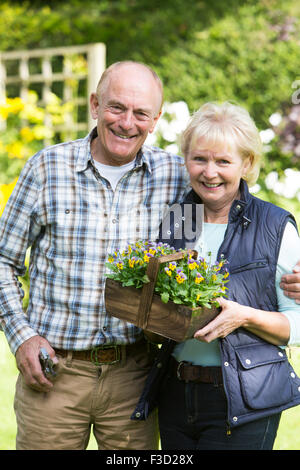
{"points": [[247, 164]]}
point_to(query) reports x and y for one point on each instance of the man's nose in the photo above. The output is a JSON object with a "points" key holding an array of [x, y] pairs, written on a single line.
{"points": [[126, 121]]}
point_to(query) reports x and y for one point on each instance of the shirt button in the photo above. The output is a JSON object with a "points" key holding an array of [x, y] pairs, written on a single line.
{"points": [[159, 365], [226, 364], [238, 207], [248, 361], [114, 221], [137, 414], [67, 211], [293, 375], [104, 328], [280, 354], [235, 418], [176, 225]]}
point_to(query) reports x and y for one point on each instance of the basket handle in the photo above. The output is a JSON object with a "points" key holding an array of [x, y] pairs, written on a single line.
{"points": [[148, 289]]}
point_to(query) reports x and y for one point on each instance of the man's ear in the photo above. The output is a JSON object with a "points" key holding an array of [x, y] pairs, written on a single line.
{"points": [[155, 122], [94, 105]]}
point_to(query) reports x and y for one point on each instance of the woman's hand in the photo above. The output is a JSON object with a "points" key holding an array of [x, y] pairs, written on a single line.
{"points": [[231, 317], [273, 327]]}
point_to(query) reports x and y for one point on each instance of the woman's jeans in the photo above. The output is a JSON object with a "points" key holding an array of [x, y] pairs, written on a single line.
{"points": [[193, 416]]}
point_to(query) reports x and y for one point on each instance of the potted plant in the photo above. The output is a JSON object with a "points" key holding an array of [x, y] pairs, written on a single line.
{"points": [[159, 289]]}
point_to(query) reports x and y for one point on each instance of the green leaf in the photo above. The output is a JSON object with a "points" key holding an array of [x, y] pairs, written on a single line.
{"points": [[165, 297]]}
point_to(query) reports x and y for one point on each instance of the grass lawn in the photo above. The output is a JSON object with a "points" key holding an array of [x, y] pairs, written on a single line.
{"points": [[288, 437]]}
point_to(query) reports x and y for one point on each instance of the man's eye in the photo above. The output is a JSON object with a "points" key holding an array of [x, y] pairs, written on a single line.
{"points": [[116, 107], [141, 115]]}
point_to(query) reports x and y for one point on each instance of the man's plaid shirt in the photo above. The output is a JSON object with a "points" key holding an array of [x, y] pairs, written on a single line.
{"points": [[68, 214]]}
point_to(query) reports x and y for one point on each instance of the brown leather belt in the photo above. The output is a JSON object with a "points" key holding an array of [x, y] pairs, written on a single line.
{"points": [[198, 374], [99, 355]]}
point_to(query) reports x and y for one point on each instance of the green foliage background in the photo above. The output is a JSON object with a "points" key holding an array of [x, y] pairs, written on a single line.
{"points": [[245, 51]]}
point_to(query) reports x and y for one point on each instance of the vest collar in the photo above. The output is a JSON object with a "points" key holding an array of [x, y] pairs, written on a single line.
{"points": [[238, 206]]}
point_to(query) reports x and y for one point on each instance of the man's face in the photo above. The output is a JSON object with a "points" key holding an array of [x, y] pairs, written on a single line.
{"points": [[126, 111]]}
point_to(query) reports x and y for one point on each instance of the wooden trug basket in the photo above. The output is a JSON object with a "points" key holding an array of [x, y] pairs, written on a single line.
{"points": [[146, 310]]}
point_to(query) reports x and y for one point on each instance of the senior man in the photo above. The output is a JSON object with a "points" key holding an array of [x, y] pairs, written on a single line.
{"points": [[75, 203]]}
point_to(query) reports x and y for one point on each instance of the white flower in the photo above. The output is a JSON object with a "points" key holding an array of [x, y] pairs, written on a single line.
{"points": [[275, 119], [172, 148], [267, 135], [254, 189], [271, 179], [289, 187]]}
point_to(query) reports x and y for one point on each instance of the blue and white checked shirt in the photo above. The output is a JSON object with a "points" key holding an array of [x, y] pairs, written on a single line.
{"points": [[68, 214]]}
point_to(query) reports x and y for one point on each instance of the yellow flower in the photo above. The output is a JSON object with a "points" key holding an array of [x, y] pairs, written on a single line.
{"points": [[146, 258], [15, 150], [27, 134], [198, 297], [214, 277], [11, 106], [180, 279], [111, 259], [131, 263], [192, 266], [226, 275], [5, 192], [120, 265], [199, 279], [172, 266], [152, 251]]}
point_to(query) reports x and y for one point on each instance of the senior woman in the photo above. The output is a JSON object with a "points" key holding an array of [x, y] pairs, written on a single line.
{"points": [[226, 387]]}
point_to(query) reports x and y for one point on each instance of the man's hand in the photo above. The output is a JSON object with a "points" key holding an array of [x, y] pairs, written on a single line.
{"points": [[28, 363], [290, 284]]}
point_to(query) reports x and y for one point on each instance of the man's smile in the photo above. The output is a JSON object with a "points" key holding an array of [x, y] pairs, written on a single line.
{"points": [[122, 136]]}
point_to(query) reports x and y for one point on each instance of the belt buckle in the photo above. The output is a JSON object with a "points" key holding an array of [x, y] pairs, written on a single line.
{"points": [[178, 373], [94, 354]]}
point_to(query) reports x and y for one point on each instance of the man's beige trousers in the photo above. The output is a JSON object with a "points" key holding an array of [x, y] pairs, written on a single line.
{"points": [[86, 397]]}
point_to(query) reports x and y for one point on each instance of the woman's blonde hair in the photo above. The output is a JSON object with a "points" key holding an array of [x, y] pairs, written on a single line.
{"points": [[229, 126]]}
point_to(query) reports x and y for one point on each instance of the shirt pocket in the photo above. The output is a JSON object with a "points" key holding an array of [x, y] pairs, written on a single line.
{"points": [[265, 376]]}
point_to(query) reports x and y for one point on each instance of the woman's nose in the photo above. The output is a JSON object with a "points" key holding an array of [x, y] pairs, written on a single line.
{"points": [[210, 170]]}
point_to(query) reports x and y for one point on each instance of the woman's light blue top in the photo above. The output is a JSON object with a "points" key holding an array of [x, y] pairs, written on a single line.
{"points": [[207, 354]]}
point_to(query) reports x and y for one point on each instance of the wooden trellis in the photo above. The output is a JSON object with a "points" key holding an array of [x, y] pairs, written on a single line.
{"points": [[52, 69]]}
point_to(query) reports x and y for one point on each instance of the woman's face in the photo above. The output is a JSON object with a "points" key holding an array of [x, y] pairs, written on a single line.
{"points": [[215, 174]]}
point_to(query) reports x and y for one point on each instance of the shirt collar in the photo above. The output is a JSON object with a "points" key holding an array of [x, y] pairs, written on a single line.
{"points": [[84, 155]]}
